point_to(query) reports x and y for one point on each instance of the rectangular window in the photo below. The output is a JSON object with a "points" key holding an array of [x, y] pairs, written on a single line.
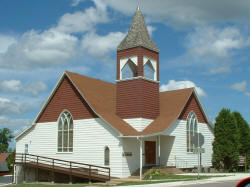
{"points": [[26, 148]]}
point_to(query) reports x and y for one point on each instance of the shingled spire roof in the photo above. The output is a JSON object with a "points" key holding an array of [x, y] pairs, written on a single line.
{"points": [[137, 35]]}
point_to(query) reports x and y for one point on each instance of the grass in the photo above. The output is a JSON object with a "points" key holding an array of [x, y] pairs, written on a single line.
{"points": [[166, 178], [155, 179], [179, 177], [49, 185]]}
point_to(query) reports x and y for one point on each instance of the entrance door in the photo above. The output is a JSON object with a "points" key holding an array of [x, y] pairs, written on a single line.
{"points": [[150, 152]]}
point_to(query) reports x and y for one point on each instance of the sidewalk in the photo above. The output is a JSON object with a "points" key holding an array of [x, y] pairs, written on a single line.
{"points": [[5, 180], [228, 177]]}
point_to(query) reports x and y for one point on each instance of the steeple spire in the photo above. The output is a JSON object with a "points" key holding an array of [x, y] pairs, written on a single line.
{"points": [[137, 35]]}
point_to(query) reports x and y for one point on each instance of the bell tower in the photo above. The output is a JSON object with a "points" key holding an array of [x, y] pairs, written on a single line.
{"points": [[137, 88]]}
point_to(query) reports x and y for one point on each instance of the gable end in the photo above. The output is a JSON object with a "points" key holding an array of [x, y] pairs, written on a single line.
{"points": [[192, 105], [66, 97]]}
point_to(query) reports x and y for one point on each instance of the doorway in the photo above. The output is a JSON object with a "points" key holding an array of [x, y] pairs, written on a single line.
{"points": [[150, 153]]}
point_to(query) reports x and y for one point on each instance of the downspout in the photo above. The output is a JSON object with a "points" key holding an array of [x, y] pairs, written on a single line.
{"points": [[140, 140]]}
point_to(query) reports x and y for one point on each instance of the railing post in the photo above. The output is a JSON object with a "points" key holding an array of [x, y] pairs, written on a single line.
{"points": [[109, 174], [53, 170], [14, 172], [24, 172], [37, 158], [70, 179], [89, 173]]}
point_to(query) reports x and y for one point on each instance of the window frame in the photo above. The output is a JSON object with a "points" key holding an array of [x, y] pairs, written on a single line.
{"points": [[66, 119], [150, 65], [26, 148], [132, 67], [106, 162], [191, 130]]}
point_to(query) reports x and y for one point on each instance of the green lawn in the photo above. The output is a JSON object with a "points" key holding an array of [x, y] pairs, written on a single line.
{"points": [[167, 178], [48, 185], [155, 179]]}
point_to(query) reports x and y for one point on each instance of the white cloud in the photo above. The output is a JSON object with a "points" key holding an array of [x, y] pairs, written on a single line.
{"points": [[208, 40], [34, 49], [16, 86], [35, 87], [240, 86], [247, 94], [99, 46], [11, 122], [151, 29], [54, 46], [76, 2], [83, 21], [17, 125], [5, 42], [11, 85], [222, 69], [214, 50], [175, 85], [8, 107], [187, 12]]}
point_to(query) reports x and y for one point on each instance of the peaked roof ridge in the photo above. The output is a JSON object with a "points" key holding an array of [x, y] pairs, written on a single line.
{"points": [[181, 89], [137, 35], [84, 76]]}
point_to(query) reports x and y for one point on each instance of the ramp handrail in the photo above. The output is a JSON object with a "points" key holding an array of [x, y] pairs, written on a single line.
{"points": [[24, 158]]}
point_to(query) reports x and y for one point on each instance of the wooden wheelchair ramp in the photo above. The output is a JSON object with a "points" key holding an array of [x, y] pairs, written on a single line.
{"points": [[76, 169]]}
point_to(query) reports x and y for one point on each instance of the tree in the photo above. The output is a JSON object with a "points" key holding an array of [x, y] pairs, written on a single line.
{"points": [[244, 134], [10, 160], [5, 137], [226, 141]]}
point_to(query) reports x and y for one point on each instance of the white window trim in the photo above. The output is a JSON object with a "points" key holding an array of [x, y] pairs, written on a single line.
{"points": [[124, 61], [191, 116], [154, 64], [68, 120], [105, 156]]}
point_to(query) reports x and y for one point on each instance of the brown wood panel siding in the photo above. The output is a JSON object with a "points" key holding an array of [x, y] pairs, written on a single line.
{"points": [[66, 97], [137, 98], [139, 52], [192, 105]]}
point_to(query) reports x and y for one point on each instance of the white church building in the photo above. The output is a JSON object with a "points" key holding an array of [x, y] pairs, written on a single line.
{"points": [[124, 125]]}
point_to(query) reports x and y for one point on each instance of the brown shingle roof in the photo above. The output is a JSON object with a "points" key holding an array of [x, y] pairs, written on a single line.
{"points": [[171, 105], [101, 96]]}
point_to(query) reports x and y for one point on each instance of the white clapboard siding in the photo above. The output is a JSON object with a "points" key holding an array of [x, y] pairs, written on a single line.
{"points": [[90, 137], [138, 123], [178, 155], [130, 163]]}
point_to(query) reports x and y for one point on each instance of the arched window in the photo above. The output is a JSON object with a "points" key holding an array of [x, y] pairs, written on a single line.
{"points": [[191, 130], [106, 156], [129, 70], [149, 71], [65, 132]]}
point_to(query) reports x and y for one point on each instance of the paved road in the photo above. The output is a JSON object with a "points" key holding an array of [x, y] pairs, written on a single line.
{"points": [[216, 184]]}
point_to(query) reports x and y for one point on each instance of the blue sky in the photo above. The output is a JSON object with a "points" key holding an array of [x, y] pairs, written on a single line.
{"points": [[203, 44]]}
